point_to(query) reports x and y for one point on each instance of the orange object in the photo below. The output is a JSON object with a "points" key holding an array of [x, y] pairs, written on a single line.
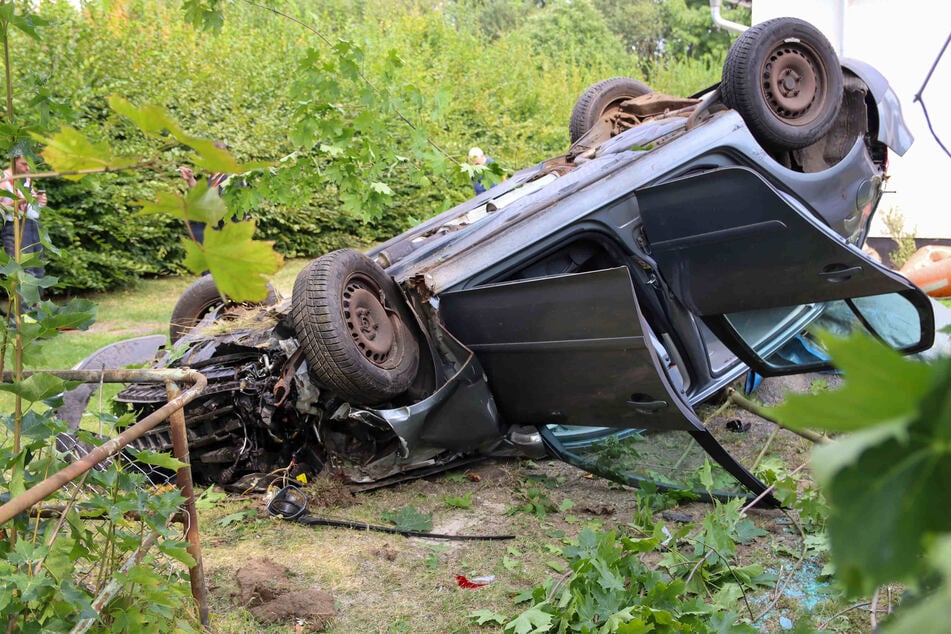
{"points": [[930, 269]]}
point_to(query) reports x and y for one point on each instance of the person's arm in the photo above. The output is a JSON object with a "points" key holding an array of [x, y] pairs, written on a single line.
{"points": [[188, 175], [15, 197]]}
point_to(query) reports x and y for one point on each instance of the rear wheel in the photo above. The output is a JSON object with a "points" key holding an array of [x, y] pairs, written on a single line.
{"points": [[783, 77], [602, 100], [351, 323]]}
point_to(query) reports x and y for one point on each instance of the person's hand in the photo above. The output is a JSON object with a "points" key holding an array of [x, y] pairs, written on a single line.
{"points": [[188, 175], [41, 198]]}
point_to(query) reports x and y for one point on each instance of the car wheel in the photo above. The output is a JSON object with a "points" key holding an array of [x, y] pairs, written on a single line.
{"points": [[347, 314], [199, 299], [602, 100], [783, 77]]}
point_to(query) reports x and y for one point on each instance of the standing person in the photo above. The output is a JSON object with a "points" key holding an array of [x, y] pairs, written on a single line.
{"points": [[216, 181], [478, 157], [16, 202]]}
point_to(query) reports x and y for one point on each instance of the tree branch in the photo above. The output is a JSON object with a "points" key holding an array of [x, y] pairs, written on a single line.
{"points": [[91, 170]]}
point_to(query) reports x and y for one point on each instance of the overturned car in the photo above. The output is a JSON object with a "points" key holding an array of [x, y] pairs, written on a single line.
{"points": [[584, 307]]}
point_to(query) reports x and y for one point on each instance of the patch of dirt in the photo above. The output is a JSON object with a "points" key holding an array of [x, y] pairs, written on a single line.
{"points": [[327, 492], [272, 595]]}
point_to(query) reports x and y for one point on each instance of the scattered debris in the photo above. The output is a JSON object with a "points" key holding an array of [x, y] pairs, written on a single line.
{"points": [[674, 516], [737, 426], [476, 582]]}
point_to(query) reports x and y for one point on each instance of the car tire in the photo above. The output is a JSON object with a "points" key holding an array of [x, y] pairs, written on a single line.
{"points": [[352, 326], [199, 299], [601, 100], [783, 77]]}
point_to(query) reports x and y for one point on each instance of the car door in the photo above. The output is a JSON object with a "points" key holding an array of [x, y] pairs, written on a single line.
{"points": [[757, 266], [573, 350]]}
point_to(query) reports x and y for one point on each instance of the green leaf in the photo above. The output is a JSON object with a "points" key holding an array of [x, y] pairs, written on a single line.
{"points": [[935, 608], [75, 314], [166, 202], [381, 188], [58, 562], [240, 516], [881, 387], [557, 566], [212, 158], [532, 621], [459, 502], [28, 23], [36, 387], [482, 617], [209, 498], [164, 460], [151, 120], [154, 121], [70, 151], [931, 615], [884, 494], [706, 476], [409, 518], [204, 14], [177, 550], [240, 265]]}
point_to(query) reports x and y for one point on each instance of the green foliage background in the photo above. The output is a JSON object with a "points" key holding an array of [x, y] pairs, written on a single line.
{"points": [[354, 127]]}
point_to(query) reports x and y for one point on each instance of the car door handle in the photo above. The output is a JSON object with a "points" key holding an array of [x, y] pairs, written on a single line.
{"points": [[835, 273], [646, 405]]}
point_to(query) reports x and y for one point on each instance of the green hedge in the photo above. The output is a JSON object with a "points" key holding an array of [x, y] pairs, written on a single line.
{"points": [[510, 93]]}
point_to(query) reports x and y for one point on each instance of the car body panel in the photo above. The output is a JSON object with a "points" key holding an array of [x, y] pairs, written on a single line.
{"points": [[892, 131], [727, 241], [551, 358]]}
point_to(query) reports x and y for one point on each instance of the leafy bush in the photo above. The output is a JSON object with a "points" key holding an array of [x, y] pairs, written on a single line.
{"points": [[368, 110]]}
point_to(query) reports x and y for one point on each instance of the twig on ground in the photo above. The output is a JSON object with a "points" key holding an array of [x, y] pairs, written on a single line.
{"points": [[777, 595], [769, 490], [561, 580], [726, 561], [841, 612], [762, 452]]}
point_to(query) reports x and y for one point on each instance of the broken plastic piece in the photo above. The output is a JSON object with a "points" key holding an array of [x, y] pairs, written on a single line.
{"points": [[476, 582]]}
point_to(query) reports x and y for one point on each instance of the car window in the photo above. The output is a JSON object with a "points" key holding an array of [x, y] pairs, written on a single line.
{"points": [[900, 320]]}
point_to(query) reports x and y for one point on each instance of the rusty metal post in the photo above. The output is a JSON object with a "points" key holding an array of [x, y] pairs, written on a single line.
{"points": [[184, 478], [41, 490]]}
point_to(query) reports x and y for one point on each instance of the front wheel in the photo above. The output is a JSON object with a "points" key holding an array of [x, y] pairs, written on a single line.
{"points": [[198, 300]]}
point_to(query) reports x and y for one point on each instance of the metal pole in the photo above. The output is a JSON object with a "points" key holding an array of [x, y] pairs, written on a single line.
{"points": [[184, 476], [59, 479]]}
